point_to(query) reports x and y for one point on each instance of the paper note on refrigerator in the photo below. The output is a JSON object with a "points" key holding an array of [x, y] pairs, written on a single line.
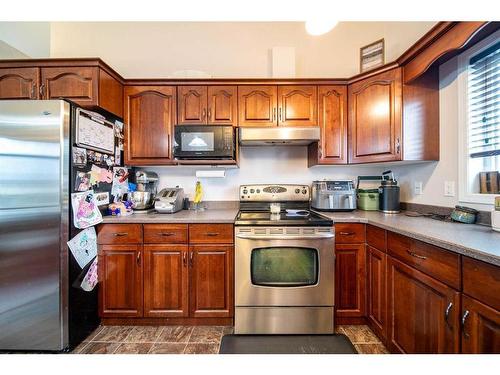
{"points": [[84, 246], [90, 280]]}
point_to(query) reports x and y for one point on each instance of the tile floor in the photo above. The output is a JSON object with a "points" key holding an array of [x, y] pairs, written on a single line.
{"points": [[191, 340]]}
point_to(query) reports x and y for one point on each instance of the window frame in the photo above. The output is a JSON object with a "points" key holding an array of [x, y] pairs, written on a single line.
{"points": [[465, 194]]}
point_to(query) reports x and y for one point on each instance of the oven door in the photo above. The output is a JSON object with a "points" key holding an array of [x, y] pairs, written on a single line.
{"points": [[281, 270]]}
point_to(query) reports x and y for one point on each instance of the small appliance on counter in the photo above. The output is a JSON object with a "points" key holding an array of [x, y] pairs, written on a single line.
{"points": [[329, 195], [170, 200], [389, 194], [368, 198], [143, 198]]}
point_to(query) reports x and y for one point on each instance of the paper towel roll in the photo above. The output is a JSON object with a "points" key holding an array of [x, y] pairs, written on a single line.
{"points": [[218, 173]]}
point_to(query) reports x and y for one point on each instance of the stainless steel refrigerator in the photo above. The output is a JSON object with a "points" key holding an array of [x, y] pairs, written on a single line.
{"points": [[40, 309]]}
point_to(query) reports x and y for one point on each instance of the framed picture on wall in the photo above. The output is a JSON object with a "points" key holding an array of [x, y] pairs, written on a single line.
{"points": [[371, 56]]}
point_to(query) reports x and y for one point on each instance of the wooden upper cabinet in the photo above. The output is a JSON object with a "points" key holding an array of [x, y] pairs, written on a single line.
{"points": [[423, 312], [120, 276], [19, 83], [222, 105], [166, 281], [375, 118], [257, 105], [297, 106], [211, 281], [480, 328], [192, 105], [79, 84], [149, 114]]}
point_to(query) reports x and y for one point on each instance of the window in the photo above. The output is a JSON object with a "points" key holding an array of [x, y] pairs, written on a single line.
{"points": [[480, 121]]}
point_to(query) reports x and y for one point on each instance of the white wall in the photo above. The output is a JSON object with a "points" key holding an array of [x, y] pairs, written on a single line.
{"points": [[31, 39], [286, 164], [227, 49], [433, 175]]}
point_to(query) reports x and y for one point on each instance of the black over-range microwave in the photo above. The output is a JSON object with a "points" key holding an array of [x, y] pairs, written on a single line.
{"points": [[204, 142]]}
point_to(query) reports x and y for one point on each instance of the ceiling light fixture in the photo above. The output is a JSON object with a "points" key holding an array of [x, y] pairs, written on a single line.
{"points": [[320, 26]]}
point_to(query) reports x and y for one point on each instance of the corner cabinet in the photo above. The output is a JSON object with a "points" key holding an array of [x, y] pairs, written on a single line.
{"points": [[332, 120], [375, 118], [149, 115]]}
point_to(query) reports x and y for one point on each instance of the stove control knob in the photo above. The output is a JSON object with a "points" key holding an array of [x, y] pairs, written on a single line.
{"points": [[304, 191], [245, 191], [252, 191], [297, 191], [258, 191]]}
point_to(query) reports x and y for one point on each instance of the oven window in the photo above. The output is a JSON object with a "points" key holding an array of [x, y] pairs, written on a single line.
{"points": [[197, 141], [284, 266]]}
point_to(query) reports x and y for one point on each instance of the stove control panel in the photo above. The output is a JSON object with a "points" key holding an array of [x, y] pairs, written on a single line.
{"points": [[274, 193]]}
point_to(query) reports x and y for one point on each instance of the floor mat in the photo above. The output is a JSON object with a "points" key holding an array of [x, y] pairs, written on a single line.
{"points": [[286, 344]]}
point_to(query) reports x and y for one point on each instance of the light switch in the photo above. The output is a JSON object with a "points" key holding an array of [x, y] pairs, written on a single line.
{"points": [[449, 188], [418, 188]]}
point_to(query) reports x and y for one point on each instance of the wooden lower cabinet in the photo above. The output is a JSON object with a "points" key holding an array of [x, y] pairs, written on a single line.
{"points": [[376, 311], [211, 280], [120, 274], [350, 286], [480, 327], [166, 281], [423, 312]]}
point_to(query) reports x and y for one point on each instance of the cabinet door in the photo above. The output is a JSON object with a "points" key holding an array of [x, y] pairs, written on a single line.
{"points": [[79, 84], [257, 105], [350, 289], [120, 275], [149, 118], [375, 118], [332, 120], [423, 312], [297, 106], [19, 83], [165, 281], [222, 105], [211, 281], [192, 105], [376, 286], [480, 327]]}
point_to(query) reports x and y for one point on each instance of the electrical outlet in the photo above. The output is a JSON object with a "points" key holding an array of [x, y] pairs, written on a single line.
{"points": [[418, 188], [449, 188]]}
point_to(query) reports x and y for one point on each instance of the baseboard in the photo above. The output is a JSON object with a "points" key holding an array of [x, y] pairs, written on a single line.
{"points": [[167, 321]]}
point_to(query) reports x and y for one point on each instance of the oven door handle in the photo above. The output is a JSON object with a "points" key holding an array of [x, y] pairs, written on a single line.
{"points": [[324, 236]]}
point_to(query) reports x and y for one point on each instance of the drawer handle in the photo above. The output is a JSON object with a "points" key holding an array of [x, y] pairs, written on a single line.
{"points": [[447, 314], [416, 255], [464, 318], [120, 234], [212, 234], [346, 233], [167, 234]]}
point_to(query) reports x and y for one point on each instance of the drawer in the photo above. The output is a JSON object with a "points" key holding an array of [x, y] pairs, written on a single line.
{"points": [[481, 281], [434, 261], [109, 234], [165, 233], [349, 233], [376, 237], [210, 233]]}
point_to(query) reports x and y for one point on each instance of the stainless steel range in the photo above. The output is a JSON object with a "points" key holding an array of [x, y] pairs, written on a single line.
{"points": [[284, 263]]}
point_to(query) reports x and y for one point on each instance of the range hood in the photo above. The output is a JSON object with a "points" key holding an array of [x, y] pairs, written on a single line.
{"points": [[279, 136]]}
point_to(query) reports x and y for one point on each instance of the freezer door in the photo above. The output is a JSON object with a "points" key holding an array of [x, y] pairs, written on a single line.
{"points": [[33, 224]]}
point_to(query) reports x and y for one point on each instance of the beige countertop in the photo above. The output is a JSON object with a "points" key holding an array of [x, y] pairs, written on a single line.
{"points": [[476, 241]]}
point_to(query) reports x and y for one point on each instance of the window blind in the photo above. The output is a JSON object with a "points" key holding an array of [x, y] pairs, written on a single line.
{"points": [[484, 103]]}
